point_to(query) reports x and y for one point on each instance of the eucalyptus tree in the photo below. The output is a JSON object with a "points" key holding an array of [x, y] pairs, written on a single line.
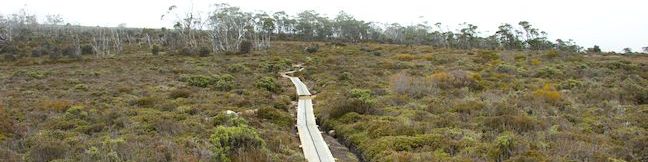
{"points": [[569, 46], [283, 23], [395, 33], [54, 19], [307, 24], [507, 38], [350, 29], [324, 28], [229, 27], [264, 26], [468, 36], [187, 25], [595, 49], [645, 49], [3, 32]]}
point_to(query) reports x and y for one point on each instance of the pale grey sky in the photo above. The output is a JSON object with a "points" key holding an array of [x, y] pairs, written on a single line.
{"points": [[612, 24]]}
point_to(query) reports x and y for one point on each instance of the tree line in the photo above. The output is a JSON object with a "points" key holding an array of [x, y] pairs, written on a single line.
{"points": [[228, 29]]}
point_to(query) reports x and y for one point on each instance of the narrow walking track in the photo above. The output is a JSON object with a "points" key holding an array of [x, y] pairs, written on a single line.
{"points": [[312, 143]]}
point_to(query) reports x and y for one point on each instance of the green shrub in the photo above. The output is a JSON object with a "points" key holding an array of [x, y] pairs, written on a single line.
{"points": [[155, 50], [552, 54], [269, 84], [204, 51], [503, 147], [312, 48], [245, 47], [506, 68], [10, 57], [549, 72], [87, 50], [486, 56], [223, 119], [144, 102], [231, 141], [31, 74], [236, 68], [275, 116], [570, 84], [360, 101], [345, 76], [186, 51], [37, 52], [223, 83], [198, 80]]}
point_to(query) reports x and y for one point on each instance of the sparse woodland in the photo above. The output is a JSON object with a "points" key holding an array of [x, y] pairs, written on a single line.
{"points": [[389, 92]]}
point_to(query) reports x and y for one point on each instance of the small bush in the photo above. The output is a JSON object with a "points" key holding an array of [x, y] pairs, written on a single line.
{"points": [[31, 74], [269, 84], [503, 147], [87, 50], [180, 93], [186, 51], [570, 84], [548, 93], [506, 68], [245, 47], [155, 50], [345, 76], [552, 54], [232, 141], [228, 120], [222, 83], [312, 48], [376, 53], [486, 56], [56, 105], [10, 57], [198, 80], [360, 101], [37, 53], [275, 116], [204, 51], [405, 57], [6, 124], [236, 68], [455, 79], [549, 72], [47, 149], [144, 102]]}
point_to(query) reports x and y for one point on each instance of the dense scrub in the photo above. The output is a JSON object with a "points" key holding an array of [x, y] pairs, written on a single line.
{"points": [[389, 102], [424, 104], [145, 107]]}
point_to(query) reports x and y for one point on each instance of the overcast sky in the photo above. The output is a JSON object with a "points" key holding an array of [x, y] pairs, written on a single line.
{"points": [[612, 24]]}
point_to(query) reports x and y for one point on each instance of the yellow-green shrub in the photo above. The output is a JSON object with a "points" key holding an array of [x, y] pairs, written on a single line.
{"points": [[405, 57], [548, 93]]}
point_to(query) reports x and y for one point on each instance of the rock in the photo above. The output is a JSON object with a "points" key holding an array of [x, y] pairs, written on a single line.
{"points": [[331, 133], [230, 112]]}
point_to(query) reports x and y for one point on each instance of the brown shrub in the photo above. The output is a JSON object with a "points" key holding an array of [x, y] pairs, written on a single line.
{"points": [[518, 123], [6, 124], [405, 57], [180, 93], [56, 105], [454, 79]]}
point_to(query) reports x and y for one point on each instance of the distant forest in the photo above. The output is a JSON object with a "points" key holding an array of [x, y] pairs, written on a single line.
{"points": [[228, 29]]}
